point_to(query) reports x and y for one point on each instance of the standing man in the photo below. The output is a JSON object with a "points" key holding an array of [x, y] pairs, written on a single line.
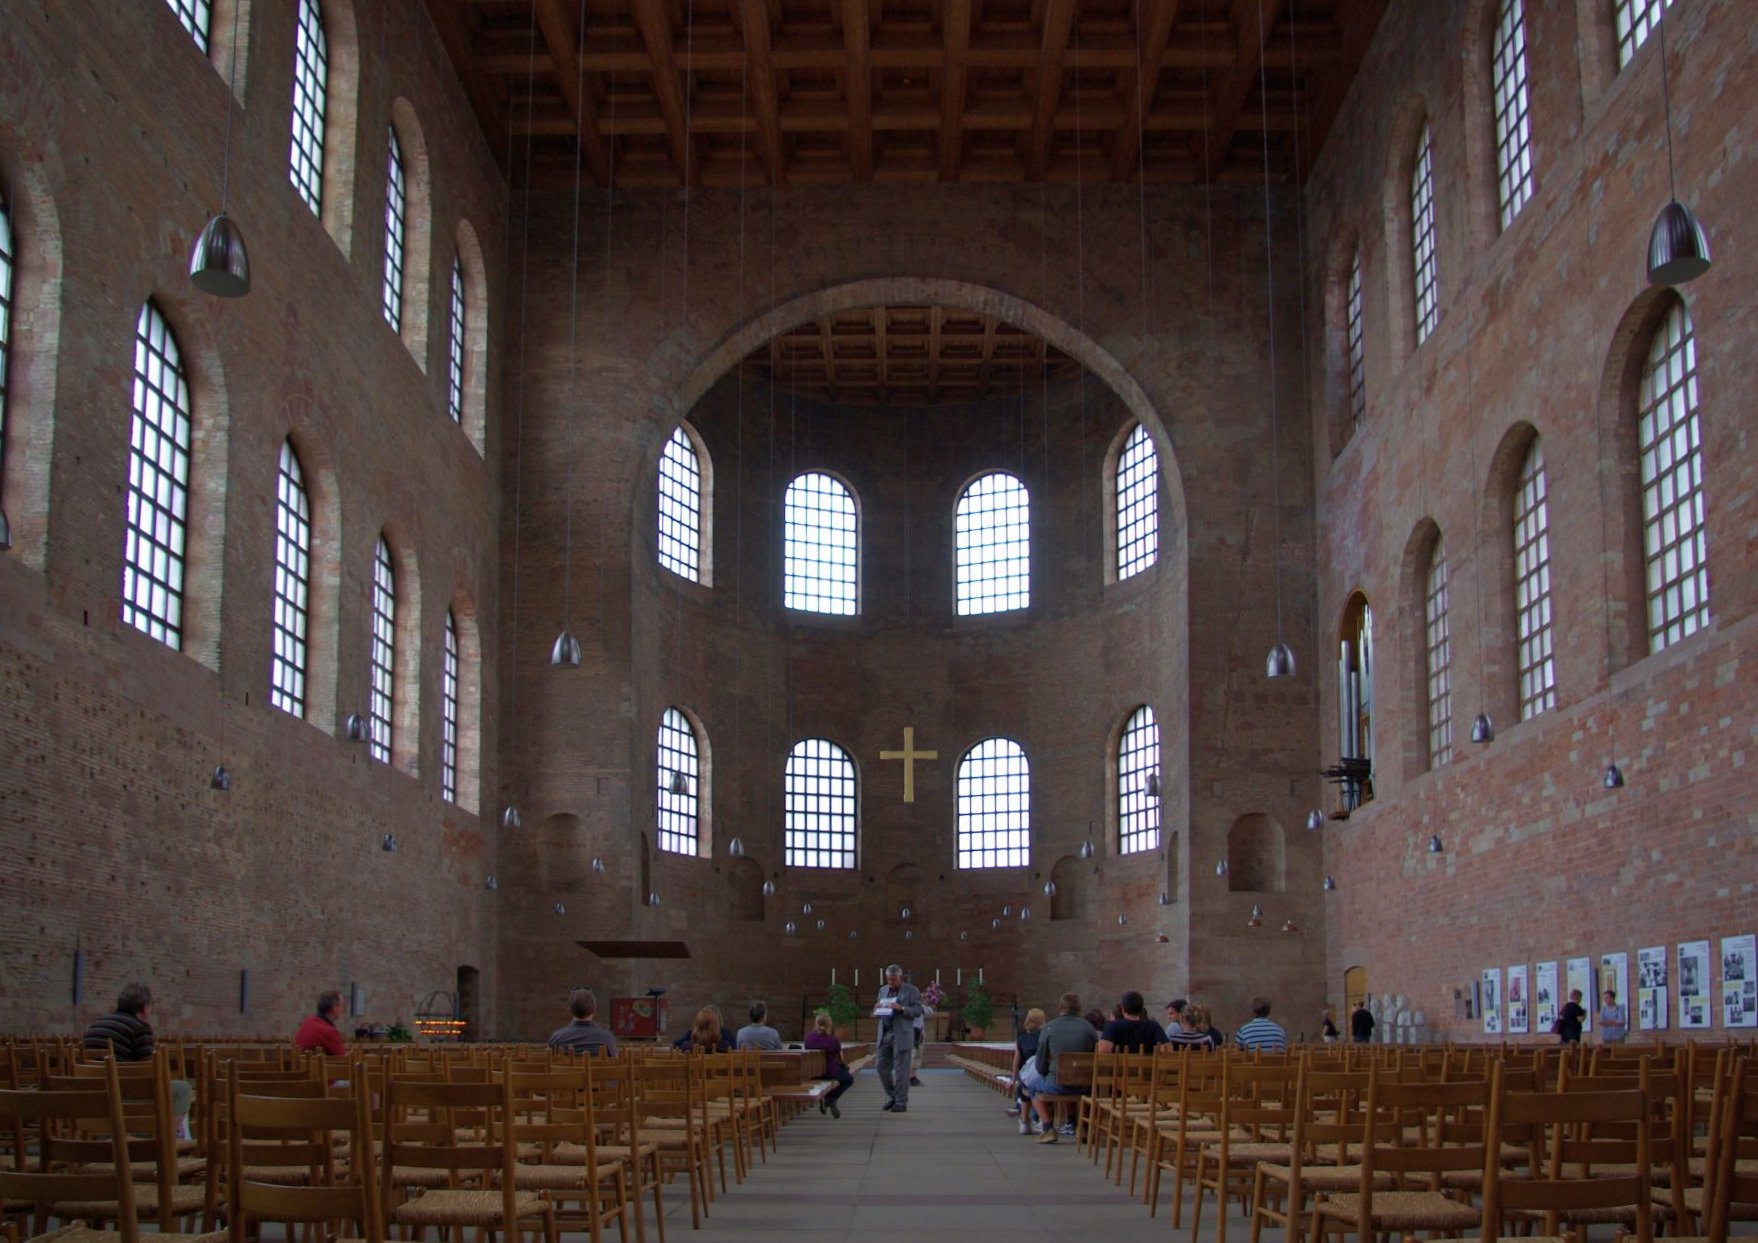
{"points": [[1361, 1024], [318, 1034], [585, 1035], [899, 1006], [1574, 1014]]}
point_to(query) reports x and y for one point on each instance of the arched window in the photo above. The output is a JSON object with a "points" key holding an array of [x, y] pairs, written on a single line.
{"points": [[1636, 20], [819, 790], [677, 798], [993, 534], [1138, 783], [1532, 621], [1422, 238], [381, 701], [158, 484], [311, 82], [396, 204], [680, 507], [292, 585], [1138, 504], [197, 17], [455, 345], [821, 542], [5, 328], [1355, 701], [1671, 444], [449, 712], [1438, 646], [994, 806], [1513, 127], [1355, 344]]}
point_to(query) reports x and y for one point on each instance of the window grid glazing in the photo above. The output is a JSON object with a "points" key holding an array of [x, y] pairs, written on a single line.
{"points": [[1138, 763], [1513, 124], [680, 508], [994, 806], [821, 547], [5, 319], [381, 700], [396, 201], [1636, 20], [993, 546], [449, 713], [197, 17], [158, 484], [1138, 504], [1357, 346], [292, 585], [1422, 238], [311, 69], [1532, 619], [819, 787], [1671, 443], [1439, 647], [678, 809], [455, 346]]}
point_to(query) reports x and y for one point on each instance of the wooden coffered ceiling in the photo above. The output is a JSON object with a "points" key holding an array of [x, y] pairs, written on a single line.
{"points": [[806, 92]]}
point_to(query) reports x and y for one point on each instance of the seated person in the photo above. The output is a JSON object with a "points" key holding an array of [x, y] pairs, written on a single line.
{"points": [[318, 1034], [757, 1034], [1262, 1033], [126, 1033], [1068, 1032], [1134, 1031], [585, 1034], [1193, 1030], [822, 1037], [724, 1040], [1025, 1049]]}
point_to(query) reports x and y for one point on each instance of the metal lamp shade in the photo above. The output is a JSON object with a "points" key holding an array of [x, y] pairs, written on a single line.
{"points": [[1280, 662], [1483, 729], [565, 651], [1677, 250], [219, 264]]}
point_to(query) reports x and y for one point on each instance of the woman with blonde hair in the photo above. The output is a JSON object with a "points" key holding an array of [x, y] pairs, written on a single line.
{"points": [[1025, 1048], [824, 1038]]}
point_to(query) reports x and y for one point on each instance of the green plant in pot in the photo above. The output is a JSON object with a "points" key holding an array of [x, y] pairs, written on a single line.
{"points": [[842, 1007], [978, 1011]]}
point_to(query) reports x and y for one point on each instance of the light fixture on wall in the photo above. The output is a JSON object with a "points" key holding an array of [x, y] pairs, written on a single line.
{"points": [[597, 866], [222, 780], [1614, 777], [1165, 898], [1086, 849], [854, 934], [964, 936], [1007, 910], [790, 927], [1049, 889], [822, 925], [1330, 884], [653, 897], [1280, 662], [769, 889], [560, 909], [1154, 784], [388, 843], [510, 817], [357, 728], [1482, 728], [909, 934], [1220, 867], [735, 849], [1434, 845], [805, 908], [219, 264], [1161, 939], [565, 651], [1122, 919], [1677, 249], [1315, 820], [1257, 916], [994, 925], [680, 782], [1025, 913], [1288, 925], [492, 883], [904, 913]]}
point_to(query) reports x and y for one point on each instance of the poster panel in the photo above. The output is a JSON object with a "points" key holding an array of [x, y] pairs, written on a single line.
{"points": [[1694, 1009], [1492, 1001], [1614, 974], [1519, 999], [1651, 989], [1739, 986], [1544, 1002], [1580, 980]]}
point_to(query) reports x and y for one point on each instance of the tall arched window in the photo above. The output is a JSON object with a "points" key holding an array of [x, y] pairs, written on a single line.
{"points": [[455, 345], [819, 789], [5, 329], [449, 712], [1636, 20], [1513, 127], [311, 83], [197, 17], [1438, 646], [1532, 621], [1355, 701], [680, 507], [158, 484], [1422, 238], [1671, 443], [1138, 783], [292, 585], [677, 797], [821, 544], [396, 204], [381, 702], [994, 806], [1355, 344], [1138, 504], [993, 546]]}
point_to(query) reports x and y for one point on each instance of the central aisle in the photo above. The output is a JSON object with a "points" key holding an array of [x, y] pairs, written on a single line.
{"points": [[953, 1167]]}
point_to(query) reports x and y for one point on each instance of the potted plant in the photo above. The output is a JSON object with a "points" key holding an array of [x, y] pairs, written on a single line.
{"points": [[978, 1011], [843, 1010]]}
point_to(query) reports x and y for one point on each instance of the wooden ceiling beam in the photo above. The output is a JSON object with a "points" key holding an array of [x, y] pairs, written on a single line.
{"points": [[760, 83], [1137, 88], [1058, 22], [956, 19], [858, 86], [1236, 88], [560, 38], [655, 24]]}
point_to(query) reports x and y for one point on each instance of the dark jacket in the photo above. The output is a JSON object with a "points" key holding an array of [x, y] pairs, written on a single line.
{"points": [[127, 1034]]}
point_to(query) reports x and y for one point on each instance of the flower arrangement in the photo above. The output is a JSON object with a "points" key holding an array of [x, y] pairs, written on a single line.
{"points": [[932, 996]]}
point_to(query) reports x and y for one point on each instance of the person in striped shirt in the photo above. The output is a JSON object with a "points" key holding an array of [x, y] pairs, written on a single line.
{"points": [[1261, 1034]]}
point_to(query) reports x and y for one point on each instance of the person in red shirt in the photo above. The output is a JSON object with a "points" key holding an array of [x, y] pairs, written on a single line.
{"points": [[318, 1033]]}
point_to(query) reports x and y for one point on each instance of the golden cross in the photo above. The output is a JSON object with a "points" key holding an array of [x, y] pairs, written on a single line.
{"points": [[909, 755]]}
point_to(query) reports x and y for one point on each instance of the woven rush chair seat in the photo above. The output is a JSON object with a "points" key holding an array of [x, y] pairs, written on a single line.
{"points": [[1326, 1177], [481, 1209], [1279, 1154], [79, 1232], [148, 1171], [418, 1176], [1403, 1212], [561, 1177], [186, 1200]]}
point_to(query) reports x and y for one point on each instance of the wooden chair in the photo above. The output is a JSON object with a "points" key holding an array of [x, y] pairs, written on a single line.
{"points": [[670, 1115], [552, 1107], [1175, 1144], [611, 1083], [281, 1161], [161, 1195], [1731, 1192], [1329, 1119], [1259, 1105]]}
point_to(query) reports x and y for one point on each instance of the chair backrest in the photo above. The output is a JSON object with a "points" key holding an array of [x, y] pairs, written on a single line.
{"points": [[1403, 1132], [551, 1107], [59, 1115], [298, 1132], [1733, 1180]]}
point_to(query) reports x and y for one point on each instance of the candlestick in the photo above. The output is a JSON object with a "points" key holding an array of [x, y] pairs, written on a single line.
{"points": [[833, 977], [857, 977], [961, 977], [979, 975], [936, 975]]}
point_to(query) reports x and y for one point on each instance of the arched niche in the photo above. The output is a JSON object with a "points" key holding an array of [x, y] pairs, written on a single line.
{"points": [[564, 860], [1073, 885], [1255, 855], [744, 889]]}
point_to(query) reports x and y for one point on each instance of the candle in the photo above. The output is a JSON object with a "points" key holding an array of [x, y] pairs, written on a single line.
{"points": [[961, 975], [857, 977], [833, 976], [979, 975], [936, 975]]}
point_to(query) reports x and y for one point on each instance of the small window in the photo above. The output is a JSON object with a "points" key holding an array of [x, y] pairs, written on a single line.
{"points": [[993, 546], [1355, 702], [680, 508], [5, 326], [822, 547], [197, 17], [1422, 238], [1138, 504], [449, 712], [677, 798], [158, 484], [292, 585], [1138, 784], [1513, 126], [820, 795], [1671, 443], [311, 78], [1636, 20], [1439, 647], [396, 205], [384, 651], [455, 345], [994, 806], [1356, 346], [1532, 621]]}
